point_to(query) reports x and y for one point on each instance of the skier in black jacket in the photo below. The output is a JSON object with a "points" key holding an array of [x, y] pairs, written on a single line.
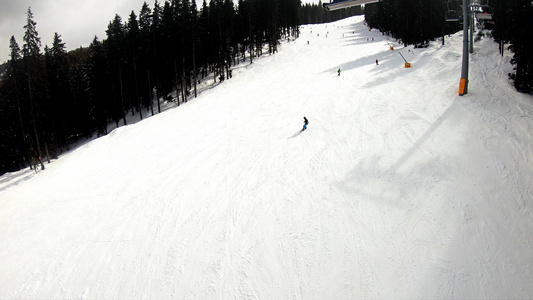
{"points": [[305, 123]]}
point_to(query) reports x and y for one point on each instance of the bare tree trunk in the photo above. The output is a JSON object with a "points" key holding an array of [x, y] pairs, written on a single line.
{"points": [[122, 95], [194, 69], [150, 95]]}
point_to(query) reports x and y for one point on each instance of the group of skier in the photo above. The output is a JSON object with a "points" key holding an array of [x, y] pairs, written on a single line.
{"points": [[338, 74]]}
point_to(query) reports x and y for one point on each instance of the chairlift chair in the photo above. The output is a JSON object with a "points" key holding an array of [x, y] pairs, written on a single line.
{"points": [[451, 15]]}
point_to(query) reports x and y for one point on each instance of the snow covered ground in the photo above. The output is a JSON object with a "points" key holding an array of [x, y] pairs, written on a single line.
{"points": [[399, 188]]}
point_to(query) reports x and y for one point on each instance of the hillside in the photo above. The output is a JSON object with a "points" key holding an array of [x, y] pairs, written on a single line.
{"points": [[399, 188]]}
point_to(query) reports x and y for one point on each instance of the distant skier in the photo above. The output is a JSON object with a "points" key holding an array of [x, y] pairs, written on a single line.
{"points": [[305, 124], [377, 62], [339, 71]]}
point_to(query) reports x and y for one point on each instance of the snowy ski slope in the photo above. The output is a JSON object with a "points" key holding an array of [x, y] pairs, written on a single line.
{"points": [[399, 188]]}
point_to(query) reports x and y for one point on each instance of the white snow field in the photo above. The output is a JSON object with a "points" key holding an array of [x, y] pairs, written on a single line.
{"points": [[399, 188]]}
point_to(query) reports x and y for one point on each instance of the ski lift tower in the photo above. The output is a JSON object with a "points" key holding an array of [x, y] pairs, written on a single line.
{"points": [[480, 10], [463, 84]]}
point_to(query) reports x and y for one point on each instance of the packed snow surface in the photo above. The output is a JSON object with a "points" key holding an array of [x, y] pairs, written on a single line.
{"points": [[399, 188]]}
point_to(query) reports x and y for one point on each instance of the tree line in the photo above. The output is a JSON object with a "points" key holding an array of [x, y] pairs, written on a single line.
{"points": [[416, 22], [512, 26], [50, 100]]}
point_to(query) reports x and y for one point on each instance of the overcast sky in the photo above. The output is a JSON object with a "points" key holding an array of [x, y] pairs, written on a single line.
{"points": [[77, 21]]}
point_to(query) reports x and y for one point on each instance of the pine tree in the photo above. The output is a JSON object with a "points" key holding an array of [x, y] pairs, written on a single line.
{"points": [[205, 40], [79, 123], [156, 42], [100, 89], [133, 47], [115, 52], [146, 57], [167, 51], [14, 147], [36, 89], [58, 89], [12, 84]]}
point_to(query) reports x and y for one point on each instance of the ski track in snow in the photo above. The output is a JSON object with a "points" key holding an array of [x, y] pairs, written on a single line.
{"points": [[399, 188]]}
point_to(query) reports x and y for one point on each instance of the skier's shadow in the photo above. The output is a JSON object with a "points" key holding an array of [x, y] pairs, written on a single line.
{"points": [[296, 134]]}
